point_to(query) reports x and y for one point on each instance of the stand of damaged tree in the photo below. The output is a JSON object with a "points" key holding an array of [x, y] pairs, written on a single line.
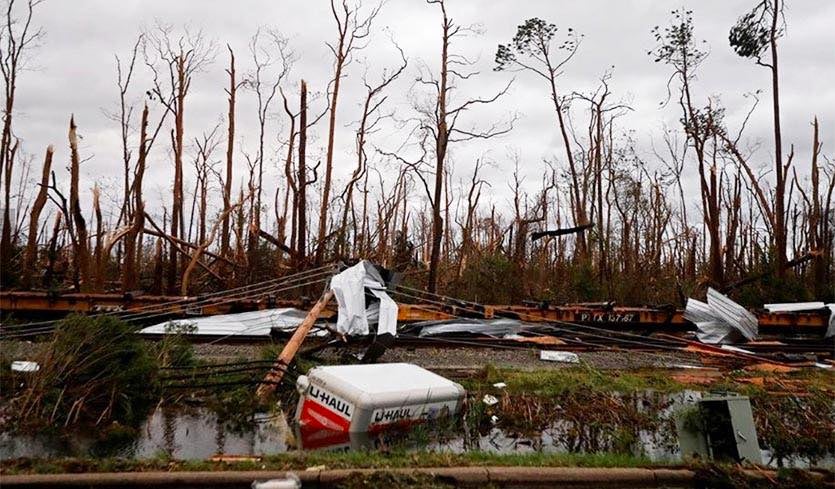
{"points": [[765, 236]]}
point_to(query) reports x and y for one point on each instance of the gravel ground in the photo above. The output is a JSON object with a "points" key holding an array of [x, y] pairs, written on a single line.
{"points": [[454, 357], [470, 357]]}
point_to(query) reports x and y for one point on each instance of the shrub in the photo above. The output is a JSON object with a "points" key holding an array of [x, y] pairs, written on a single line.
{"points": [[94, 370]]}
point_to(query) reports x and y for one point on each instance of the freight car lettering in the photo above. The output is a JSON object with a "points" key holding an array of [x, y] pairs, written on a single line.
{"points": [[610, 317], [392, 415], [331, 401]]}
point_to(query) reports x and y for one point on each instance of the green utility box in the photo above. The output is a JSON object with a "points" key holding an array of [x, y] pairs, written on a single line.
{"points": [[721, 428]]}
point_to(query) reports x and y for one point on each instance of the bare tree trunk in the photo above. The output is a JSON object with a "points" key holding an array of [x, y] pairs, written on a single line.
{"points": [[291, 190], [177, 203], [99, 259], [780, 187], [82, 254], [349, 29], [301, 234], [130, 268], [230, 148], [6, 245], [326, 190], [17, 35], [441, 140], [34, 217]]}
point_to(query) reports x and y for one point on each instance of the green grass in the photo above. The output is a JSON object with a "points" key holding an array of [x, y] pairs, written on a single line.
{"points": [[330, 460], [554, 382]]}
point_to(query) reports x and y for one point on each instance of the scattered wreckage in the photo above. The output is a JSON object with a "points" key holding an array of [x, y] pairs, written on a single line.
{"points": [[367, 313], [340, 405]]}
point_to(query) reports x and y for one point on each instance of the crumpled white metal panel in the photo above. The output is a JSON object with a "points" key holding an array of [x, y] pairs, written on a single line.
{"points": [[253, 323], [720, 320], [349, 288]]}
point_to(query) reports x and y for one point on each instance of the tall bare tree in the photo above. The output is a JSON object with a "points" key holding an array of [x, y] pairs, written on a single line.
{"points": [[124, 74], [535, 49], [270, 52], [300, 245], [352, 30], [369, 122], [34, 217], [82, 249], [174, 62], [755, 36], [441, 126], [133, 244], [231, 92], [17, 37]]}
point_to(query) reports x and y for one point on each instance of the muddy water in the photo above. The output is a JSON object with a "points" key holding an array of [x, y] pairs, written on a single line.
{"points": [[199, 434]]}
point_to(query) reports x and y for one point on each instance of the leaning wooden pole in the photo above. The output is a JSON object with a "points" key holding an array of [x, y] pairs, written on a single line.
{"points": [[275, 374]]}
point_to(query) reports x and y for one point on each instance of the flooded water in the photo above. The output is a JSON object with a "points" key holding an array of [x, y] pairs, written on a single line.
{"points": [[196, 434], [199, 434]]}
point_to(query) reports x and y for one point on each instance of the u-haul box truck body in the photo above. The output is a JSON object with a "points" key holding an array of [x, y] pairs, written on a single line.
{"points": [[368, 398]]}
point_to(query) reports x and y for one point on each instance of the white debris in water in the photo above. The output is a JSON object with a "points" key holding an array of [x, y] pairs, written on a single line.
{"points": [[290, 481]]}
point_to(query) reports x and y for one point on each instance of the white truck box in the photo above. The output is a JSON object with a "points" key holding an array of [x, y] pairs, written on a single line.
{"points": [[368, 398]]}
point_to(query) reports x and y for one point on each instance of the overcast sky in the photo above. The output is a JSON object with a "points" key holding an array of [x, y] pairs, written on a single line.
{"points": [[75, 74]]}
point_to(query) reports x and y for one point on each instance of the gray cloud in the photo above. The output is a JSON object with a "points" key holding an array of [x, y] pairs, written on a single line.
{"points": [[75, 75]]}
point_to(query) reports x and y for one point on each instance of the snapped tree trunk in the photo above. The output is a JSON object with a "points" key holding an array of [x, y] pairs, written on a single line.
{"points": [[301, 179], [82, 254], [130, 266], [31, 257], [230, 147]]}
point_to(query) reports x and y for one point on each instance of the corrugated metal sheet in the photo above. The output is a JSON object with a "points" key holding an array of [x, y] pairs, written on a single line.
{"points": [[254, 323], [737, 316], [720, 320]]}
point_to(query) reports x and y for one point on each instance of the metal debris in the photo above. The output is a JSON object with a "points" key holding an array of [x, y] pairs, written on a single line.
{"points": [[720, 320], [559, 356], [794, 306], [360, 293], [253, 323]]}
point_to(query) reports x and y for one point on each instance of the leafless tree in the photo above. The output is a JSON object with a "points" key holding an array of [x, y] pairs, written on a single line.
{"points": [[231, 92], [32, 237], [368, 124], [440, 126], [17, 37], [270, 52], [173, 61], [352, 31]]}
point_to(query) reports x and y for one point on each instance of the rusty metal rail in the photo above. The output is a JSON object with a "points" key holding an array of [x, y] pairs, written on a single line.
{"points": [[41, 303]]}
